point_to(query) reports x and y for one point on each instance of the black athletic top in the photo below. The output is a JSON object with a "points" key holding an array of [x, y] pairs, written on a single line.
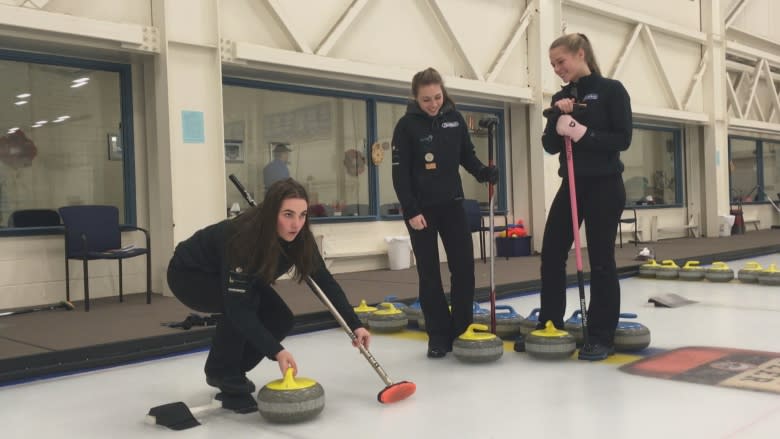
{"points": [[205, 252], [609, 121], [427, 154]]}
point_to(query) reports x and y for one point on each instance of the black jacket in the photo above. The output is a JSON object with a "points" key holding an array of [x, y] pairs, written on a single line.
{"points": [[427, 155], [609, 121], [205, 251]]}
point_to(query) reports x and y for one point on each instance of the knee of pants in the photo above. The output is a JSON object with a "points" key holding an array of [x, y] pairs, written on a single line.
{"points": [[280, 324]]}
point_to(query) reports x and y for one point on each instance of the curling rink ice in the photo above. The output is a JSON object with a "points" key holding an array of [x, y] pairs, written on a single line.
{"points": [[515, 397]]}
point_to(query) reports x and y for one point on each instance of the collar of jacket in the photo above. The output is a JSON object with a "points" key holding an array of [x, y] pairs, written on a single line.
{"points": [[413, 108], [584, 83]]}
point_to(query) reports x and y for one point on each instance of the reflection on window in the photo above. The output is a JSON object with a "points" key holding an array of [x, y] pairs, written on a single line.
{"points": [[651, 167], [387, 116], [318, 140], [60, 140], [743, 172]]}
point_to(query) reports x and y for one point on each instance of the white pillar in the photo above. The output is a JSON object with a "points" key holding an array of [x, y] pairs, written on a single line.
{"points": [[715, 164], [186, 157]]}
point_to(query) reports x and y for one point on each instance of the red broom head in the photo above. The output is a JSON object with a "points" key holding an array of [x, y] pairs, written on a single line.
{"points": [[396, 392]]}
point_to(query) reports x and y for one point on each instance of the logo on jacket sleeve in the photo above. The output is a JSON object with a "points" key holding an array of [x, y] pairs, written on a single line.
{"points": [[454, 124]]}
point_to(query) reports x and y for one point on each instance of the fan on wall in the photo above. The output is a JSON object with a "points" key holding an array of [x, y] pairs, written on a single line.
{"points": [[354, 162]]}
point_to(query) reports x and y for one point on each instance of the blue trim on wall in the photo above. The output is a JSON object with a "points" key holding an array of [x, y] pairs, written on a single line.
{"points": [[126, 117]]}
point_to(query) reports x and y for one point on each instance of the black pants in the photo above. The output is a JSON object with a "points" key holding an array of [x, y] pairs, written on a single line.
{"points": [[230, 353], [600, 202], [449, 221]]}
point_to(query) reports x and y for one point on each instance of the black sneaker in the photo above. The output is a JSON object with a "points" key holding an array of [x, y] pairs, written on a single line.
{"points": [[595, 352], [234, 384], [520, 343]]}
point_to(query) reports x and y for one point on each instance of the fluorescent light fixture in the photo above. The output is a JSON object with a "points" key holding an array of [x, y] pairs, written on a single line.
{"points": [[41, 122], [61, 119], [20, 103], [37, 125], [78, 84], [23, 95], [13, 130], [84, 79]]}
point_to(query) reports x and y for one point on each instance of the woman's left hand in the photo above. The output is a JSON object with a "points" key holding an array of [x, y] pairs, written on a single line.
{"points": [[363, 337]]}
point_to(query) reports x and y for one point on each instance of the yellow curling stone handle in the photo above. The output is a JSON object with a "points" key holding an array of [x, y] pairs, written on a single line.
{"points": [[388, 309], [363, 307], [549, 331], [289, 382], [669, 264], [753, 265], [477, 336], [772, 269], [691, 264], [719, 266]]}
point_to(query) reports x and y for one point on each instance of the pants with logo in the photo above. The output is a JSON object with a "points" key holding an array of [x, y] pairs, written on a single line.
{"points": [[600, 202]]}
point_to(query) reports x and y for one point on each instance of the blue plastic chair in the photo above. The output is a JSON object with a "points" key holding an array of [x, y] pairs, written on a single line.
{"points": [[93, 232]]}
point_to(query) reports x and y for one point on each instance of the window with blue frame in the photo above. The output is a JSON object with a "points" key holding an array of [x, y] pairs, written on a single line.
{"points": [[653, 167], [336, 143], [754, 169], [66, 136]]}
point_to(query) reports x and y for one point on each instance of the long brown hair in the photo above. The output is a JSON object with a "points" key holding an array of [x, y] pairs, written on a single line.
{"points": [[255, 245], [573, 43], [427, 77]]}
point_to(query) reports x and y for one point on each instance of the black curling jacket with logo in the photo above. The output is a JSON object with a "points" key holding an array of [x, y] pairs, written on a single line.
{"points": [[205, 252], [427, 154], [608, 118]]}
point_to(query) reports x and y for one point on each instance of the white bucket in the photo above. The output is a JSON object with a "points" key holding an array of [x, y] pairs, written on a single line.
{"points": [[726, 222], [399, 252]]}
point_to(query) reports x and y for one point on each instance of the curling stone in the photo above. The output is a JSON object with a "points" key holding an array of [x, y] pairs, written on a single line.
{"points": [[477, 347], [631, 336], [649, 269], [770, 276], [414, 313], [691, 271], [481, 315], [290, 399], [364, 311], [394, 300], [573, 325], [719, 272], [667, 270], [530, 322], [507, 322], [387, 319], [749, 273], [550, 343]]}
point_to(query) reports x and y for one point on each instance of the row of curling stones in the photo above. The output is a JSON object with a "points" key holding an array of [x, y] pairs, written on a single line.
{"points": [[754, 273], [629, 336], [668, 270], [477, 345], [383, 319], [290, 399]]}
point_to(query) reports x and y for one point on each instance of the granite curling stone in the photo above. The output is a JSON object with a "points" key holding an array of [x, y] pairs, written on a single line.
{"points": [[290, 400], [480, 315], [477, 347], [413, 313], [507, 322], [529, 323], [550, 343], [749, 273], [364, 311], [668, 270], [691, 271], [719, 272], [394, 300], [631, 336], [770, 276], [649, 269], [387, 319]]}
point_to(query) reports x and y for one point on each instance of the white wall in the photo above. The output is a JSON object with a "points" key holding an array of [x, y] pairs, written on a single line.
{"points": [[179, 49]]}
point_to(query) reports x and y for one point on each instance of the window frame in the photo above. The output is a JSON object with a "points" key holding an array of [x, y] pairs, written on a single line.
{"points": [[760, 183], [679, 193], [371, 101], [126, 120]]}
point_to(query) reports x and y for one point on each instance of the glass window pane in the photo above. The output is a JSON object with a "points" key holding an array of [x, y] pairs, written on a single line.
{"points": [[651, 168], [318, 140], [387, 116], [472, 189], [743, 173], [771, 170], [61, 140]]}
